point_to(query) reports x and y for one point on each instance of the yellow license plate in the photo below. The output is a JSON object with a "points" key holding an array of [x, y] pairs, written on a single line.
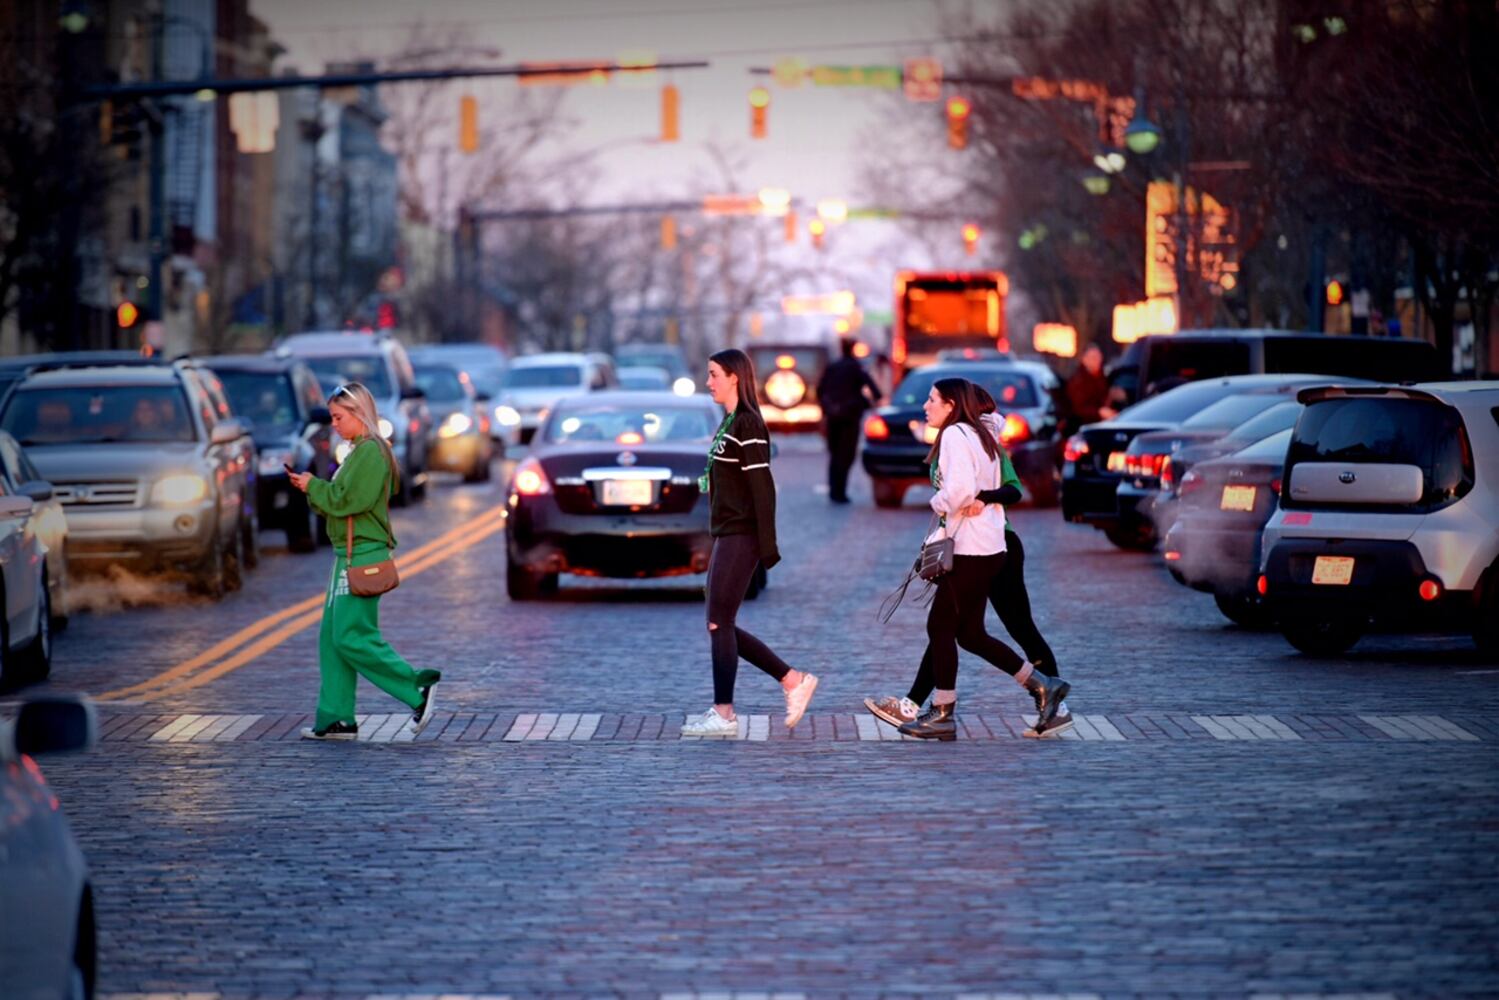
{"points": [[1334, 570], [627, 492], [1116, 461], [1237, 498]]}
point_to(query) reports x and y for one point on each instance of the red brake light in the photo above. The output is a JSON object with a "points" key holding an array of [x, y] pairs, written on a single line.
{"points": [[1262, 585], [1168, 474], [1191, 482], [875, 428], [530, 480], [1075, 448], [1275, 486], [1429, 590], [1014, 431]]}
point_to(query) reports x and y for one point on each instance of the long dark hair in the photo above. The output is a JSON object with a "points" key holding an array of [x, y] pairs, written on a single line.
{"points": [[735, 362], [965, 410]]}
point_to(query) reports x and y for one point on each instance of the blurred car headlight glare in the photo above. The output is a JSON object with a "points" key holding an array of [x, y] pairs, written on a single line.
{"points": [[455, 424], [507, 416], [387, 429], [684, 386]]}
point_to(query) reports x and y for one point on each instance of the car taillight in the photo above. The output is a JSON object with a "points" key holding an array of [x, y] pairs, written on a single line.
{"points": [[1191, 482], [1262, 585], [875, 428], [530, 480], [1429, 590], [1075, 448], [1275, 486], [1168, 474], [1014, 431], [1143, 465]]}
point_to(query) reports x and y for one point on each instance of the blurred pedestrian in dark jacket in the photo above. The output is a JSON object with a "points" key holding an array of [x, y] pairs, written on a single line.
{"points": [[845, 391], [1088, 391]]}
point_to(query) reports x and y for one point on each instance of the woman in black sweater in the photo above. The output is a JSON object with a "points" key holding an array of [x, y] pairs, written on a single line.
{"points": [[742, 499]]}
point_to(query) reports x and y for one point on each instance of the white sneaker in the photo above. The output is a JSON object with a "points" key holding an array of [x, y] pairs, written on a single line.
{"points": [[711, 725], [798, 698]]}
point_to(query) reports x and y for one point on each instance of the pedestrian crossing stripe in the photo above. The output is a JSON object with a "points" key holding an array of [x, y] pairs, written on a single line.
{"points": [[587, 727]]}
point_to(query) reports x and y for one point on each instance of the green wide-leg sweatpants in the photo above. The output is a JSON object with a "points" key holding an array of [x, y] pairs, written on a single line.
{"points": [[350, 646]]}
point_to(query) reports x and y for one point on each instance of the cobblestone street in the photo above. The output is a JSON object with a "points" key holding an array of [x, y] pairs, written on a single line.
{"points": [[1227, 818]]}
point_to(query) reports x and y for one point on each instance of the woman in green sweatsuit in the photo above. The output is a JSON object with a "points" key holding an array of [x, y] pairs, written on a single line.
{"points": [[350, 643]]}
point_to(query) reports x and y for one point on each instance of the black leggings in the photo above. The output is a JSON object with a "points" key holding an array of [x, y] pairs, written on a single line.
{"points": [[1013, 604], [730, 569], [956, 619]]}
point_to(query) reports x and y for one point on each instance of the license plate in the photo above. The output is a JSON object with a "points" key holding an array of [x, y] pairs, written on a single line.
{"points": [[1116, 461], [1334, 570], [627, 492], [1237, 498]]}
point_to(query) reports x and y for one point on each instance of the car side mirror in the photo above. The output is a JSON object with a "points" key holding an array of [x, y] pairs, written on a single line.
{"points": [[57, 724], [36, 489], [319, 415], [226, 431], [15, 506]]}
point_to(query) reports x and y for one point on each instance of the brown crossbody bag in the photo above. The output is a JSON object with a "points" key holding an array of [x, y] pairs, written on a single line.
{"points": [[372, 580]]}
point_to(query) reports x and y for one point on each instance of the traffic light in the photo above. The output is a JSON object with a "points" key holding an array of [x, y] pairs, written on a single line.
{"points": [[759, 99], [970, 239], [790, 226], [817, 228], [668, 232], [958, 110], [1334, 293], [468, 124], [126, 314], [385, 316], [670, 108]]}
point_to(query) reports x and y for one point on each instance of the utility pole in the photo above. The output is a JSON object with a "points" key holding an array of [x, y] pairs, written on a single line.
{"points": [[156, 234], [312, 131]]}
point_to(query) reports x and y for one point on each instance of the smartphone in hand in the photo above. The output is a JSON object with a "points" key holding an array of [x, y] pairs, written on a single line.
{"points": [[289, 470]]}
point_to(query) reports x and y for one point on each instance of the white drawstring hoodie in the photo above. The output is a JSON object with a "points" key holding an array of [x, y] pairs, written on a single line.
{"points": [[963, 469]]}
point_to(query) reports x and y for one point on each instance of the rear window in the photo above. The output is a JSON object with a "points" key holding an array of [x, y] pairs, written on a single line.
{"points": [[543, 377], [263, 398], [98, 415], [441, 385], [1175, 361], [1389, 430], [1178, 404], [1230, 412], [1370, 358], [1280, 417], [1011, 390]]}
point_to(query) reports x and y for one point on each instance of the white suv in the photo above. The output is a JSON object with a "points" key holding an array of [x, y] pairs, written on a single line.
{"points": [[1389, 516]]}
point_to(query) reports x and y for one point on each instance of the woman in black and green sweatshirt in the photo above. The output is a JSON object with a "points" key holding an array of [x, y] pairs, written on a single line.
{"points": [[349, 643], [742, 501]]}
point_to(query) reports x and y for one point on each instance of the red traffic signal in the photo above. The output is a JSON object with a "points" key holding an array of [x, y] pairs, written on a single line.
{"points": [[817, 228], [958, 110], [126, 314], [1335, 293], [970, 238], [759, 99], [385, 316]]}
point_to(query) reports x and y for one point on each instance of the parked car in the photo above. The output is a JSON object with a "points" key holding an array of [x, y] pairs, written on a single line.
{"points": [[484, 364], [896, 441], [647, 378], [379, 362], [48, 949], [1141, 497], [1280, 417], [148, 474], [463, 443], [665, 356], [1156, 363], [19, 477], [283, 403], [25, 625], [534, 384], [1093, 460], [1388, 516], [610, 489], [1214, 544]]}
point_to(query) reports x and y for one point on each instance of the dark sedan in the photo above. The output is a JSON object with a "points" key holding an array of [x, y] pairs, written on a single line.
{"points": [[610, 489], [1214, 546], [1094, 460], [282, 400], [896, 442]]}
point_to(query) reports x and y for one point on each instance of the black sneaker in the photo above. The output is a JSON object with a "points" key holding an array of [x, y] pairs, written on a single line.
{"points": [[333, 731], [423, 713]]}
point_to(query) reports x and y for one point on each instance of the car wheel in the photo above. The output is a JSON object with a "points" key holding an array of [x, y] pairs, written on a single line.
{"points": [[521, 584], [209, 578], [36, 658], [758, 582], [1133, 537], [301, 529], [1043, 489], [234, 563], [1323, 637], [1248, 612], [888, 492]]}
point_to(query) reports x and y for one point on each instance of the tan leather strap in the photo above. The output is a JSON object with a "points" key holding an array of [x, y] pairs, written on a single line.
{"points": [[349, 547]]}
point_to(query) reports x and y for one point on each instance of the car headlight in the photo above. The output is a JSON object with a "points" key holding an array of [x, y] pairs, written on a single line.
{"points": [[455, 424], [271, 462], [785, 388], [507, 416], [387, 429], [185, 487], [684, 386]]}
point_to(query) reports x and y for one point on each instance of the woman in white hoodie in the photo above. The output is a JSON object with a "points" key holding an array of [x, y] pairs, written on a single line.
{"points": [[966, 460]]}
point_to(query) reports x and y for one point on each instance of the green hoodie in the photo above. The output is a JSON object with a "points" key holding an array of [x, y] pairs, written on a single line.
{"points": [[359, 489]]}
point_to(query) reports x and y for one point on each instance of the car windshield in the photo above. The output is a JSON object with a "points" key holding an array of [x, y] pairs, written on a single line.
{"points": [[621, 424], [1177, 404], [440, 383], [98, 414], [543, 376], [263, 398], [1282, 416], [1011, 390], [368, 369], [1230, 412]]}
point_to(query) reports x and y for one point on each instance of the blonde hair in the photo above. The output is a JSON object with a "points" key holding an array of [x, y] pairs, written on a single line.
{"points": [[357, 400]]}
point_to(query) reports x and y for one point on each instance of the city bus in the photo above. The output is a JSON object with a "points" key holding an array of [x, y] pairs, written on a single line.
{"points": [[951, 311]]}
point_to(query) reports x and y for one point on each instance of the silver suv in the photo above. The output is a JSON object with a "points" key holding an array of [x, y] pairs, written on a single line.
{"points": [[149, 471], [1388, 516]]}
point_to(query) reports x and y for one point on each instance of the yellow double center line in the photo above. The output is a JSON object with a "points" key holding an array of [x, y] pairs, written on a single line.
{"points": [[261, 637]]}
